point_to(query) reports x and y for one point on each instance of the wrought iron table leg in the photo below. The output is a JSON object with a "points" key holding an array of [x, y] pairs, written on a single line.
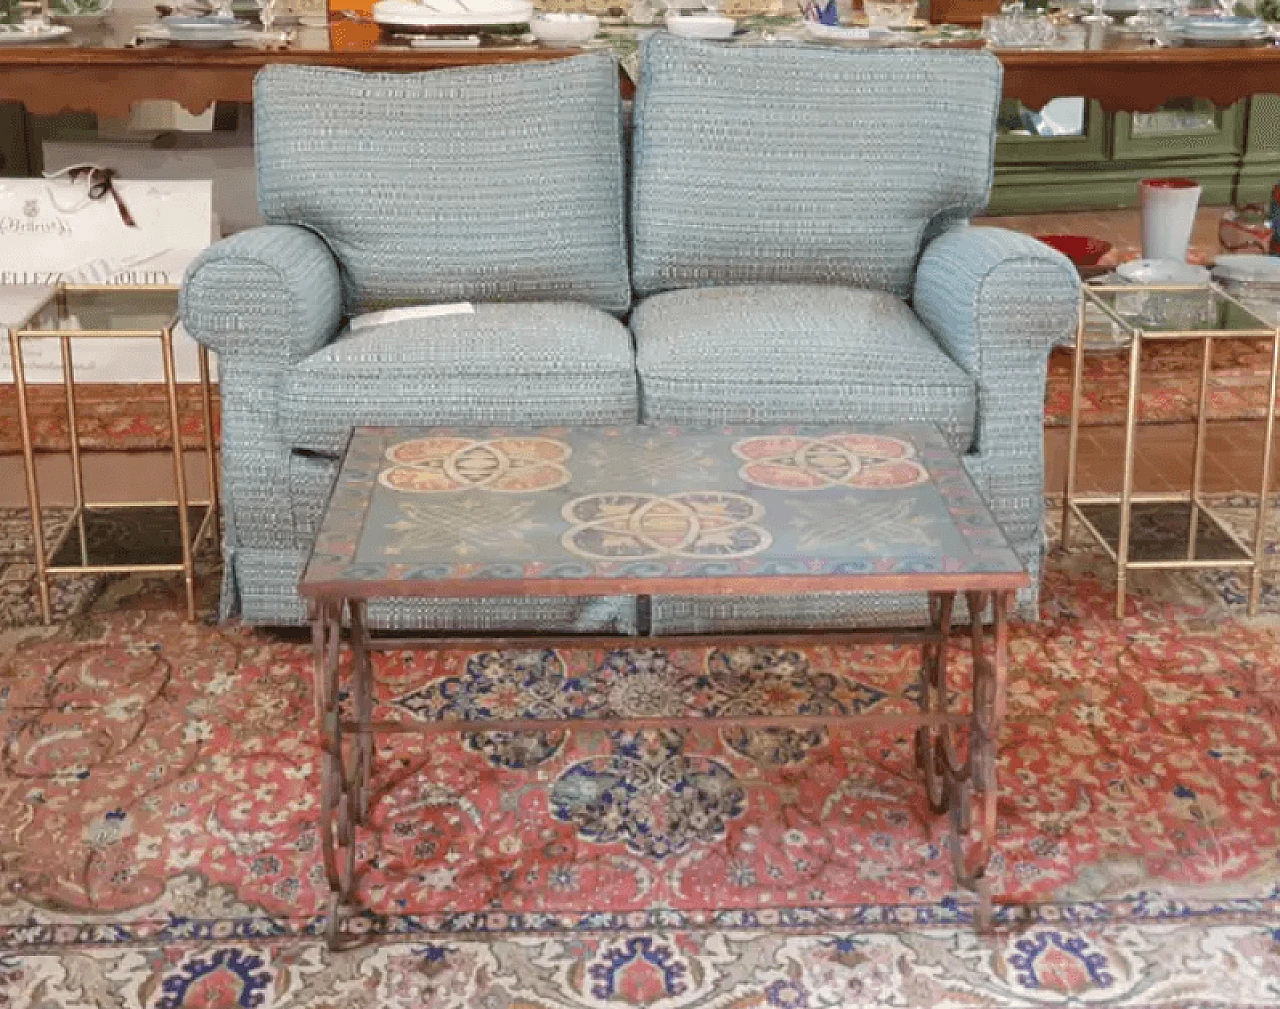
{"points": [[990, 676], [362, 680], [337, 812], [932, 743]]}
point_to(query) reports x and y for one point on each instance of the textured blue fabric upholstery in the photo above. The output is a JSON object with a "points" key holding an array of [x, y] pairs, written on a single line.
{"points": [[786, 202], [780, 353], [500, 183], [490, 184], [537, 363], [998, 301], [262, 300], [796, 164], [269, 295]]}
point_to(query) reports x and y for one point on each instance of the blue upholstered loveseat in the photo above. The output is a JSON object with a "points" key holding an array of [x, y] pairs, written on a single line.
{"points": [[788, 241]]}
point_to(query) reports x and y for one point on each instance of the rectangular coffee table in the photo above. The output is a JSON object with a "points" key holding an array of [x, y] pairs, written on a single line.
{"points": [[647, 511]]}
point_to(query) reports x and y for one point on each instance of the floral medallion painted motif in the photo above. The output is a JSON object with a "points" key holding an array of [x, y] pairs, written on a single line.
{"points": [[798, 463], [698, 524], [505, 465]]}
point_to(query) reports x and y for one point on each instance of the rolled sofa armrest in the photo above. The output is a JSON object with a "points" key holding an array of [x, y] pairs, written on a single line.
{"points": [[998, 301], [272, 294]]}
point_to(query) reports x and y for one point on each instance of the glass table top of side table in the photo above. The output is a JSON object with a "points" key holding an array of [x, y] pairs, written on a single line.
{"points": [[113, 311], [428, 512], [1167, 312]]}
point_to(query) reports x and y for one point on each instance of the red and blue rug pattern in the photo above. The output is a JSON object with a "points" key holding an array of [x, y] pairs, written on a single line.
{"points": [[159, 843]]}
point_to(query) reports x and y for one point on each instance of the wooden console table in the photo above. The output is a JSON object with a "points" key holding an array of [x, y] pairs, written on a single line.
{"points": [[96, 72]]}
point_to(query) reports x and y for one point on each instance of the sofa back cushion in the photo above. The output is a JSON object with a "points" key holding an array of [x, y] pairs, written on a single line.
{"points": [[798, 164], [500, 183]]}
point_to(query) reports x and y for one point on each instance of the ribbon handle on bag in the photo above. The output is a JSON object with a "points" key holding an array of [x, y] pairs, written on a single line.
{"points": [[101, 184]]}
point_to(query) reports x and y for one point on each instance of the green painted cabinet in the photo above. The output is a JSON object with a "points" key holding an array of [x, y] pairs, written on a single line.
{"points": [[1094, 160]]}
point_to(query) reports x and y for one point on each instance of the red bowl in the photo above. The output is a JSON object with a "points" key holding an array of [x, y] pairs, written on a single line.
{"points": [[1083, 250]]}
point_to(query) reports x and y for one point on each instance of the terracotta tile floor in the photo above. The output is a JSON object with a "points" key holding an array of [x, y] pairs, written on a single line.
{"points": [[1163, 459], [1119, 227]]}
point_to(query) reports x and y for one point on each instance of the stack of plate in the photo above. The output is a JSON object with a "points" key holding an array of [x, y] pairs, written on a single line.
{"points": [[1254, 280], [453, 16], [210, 30], [1220, 31], [852, 34], [708, 25], [31, 33], [1122, 9]]}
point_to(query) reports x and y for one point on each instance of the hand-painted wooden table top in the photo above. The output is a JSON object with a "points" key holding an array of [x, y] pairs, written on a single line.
{"points": [[654, 510]]}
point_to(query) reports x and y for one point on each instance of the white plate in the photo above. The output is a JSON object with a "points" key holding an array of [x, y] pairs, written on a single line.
{"points": [[1249, 269], [444, 42], [1225, 36], [701, 26], [398, 14], [181, 28], [1221, 28], [1131, 6], [564, 29], [1162, 271], [223, 36], [840, 33], [90, 20], [32, 36]]}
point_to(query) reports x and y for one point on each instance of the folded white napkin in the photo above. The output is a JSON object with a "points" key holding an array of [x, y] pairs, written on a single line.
{"points": [[371, 319]]}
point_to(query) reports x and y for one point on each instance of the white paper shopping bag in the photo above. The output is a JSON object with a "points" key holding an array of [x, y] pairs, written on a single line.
{"points": [[91, 228]]}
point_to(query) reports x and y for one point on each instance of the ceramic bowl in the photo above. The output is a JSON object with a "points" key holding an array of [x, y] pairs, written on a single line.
{"points": [[1192, 309], [564, 29], [701, 26]]}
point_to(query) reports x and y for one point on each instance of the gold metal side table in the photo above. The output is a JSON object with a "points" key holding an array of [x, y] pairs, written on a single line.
{"points": [[1126, 318], [91, 542]]}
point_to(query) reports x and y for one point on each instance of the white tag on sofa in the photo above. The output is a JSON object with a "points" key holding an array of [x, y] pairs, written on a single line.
{"points": [[414, 312]]}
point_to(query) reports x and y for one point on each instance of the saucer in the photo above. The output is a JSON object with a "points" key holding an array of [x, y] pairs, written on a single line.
{"points": [[841, 33], [1162, 271]]}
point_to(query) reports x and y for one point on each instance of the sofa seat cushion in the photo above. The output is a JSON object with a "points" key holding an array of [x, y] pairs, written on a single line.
{"points": [[526, 364], [774, 354]]}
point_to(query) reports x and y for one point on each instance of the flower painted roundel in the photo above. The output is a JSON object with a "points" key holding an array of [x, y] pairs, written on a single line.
{"points": [[800, 463]]}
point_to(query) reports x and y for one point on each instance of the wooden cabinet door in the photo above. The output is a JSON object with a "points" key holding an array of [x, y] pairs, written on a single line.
{"points": [[14, 157]]}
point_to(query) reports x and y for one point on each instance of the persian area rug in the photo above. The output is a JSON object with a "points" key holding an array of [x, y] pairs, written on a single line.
{"points": [[111, 418], [158, 839], [1170, 384]]}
